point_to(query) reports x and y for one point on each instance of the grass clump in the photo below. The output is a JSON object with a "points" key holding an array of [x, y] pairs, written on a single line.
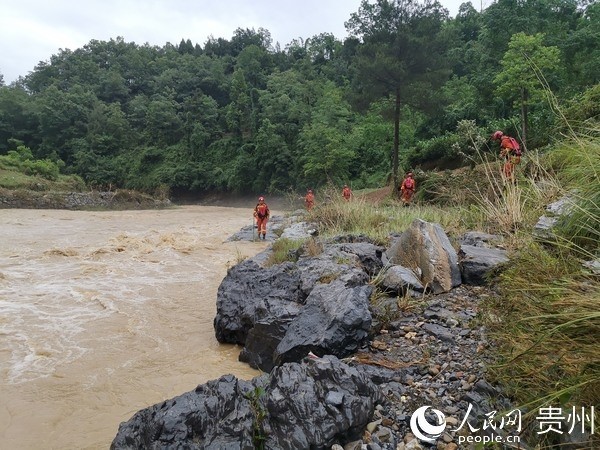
{"points": [[578, 162], [547, 330], [284, 250], [548, 333]]}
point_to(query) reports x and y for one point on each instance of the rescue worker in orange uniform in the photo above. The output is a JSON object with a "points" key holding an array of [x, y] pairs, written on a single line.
{"points": [[510, 151], [261, 214], [309, 200], [346, 193], [407, 189]]}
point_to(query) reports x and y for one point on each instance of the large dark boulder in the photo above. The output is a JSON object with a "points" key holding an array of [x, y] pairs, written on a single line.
{"points": [[261, 307], [216, 415], [317, 404], [311, 405], [251, 293], [335, 321], [262, 342]]}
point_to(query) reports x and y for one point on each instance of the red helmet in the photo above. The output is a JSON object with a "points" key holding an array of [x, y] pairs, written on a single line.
{"points": [[497, 135], [261, 199]]}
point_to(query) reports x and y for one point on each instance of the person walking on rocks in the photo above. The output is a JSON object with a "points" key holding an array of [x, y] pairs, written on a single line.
{"points": [[407, 189], [261, 214], [346, 193]]}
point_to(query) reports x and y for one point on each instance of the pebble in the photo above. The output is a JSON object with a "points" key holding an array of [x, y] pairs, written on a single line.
{"points": [[443, 368]]}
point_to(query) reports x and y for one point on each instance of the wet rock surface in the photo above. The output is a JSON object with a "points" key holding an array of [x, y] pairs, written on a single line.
{"points": [[313, 404]]}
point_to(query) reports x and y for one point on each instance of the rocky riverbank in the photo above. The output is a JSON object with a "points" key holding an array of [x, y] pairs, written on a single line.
{"points": [[396, 321], [433, 354], [119, 199]]}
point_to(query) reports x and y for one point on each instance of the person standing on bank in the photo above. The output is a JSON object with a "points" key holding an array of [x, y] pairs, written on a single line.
{"points": [[309, 200], [347, 193], [261, 214], [407, 189]]}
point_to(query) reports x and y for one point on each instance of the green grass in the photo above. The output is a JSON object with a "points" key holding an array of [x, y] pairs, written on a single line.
{"points": [[14, 179]]}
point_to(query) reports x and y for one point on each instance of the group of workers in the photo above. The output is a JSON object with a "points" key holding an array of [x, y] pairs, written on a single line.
{"points": [[509, 152]]}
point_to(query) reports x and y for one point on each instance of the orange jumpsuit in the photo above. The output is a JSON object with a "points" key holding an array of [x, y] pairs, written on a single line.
{"points": [[346, 193], [261, 213], [510, 159], [408, 189], [309, 200]]}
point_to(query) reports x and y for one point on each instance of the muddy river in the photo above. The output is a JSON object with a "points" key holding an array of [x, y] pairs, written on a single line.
{"points": [[105, 313]]}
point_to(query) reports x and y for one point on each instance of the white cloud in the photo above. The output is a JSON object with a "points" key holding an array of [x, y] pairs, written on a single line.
{"points": [[33, 30]]}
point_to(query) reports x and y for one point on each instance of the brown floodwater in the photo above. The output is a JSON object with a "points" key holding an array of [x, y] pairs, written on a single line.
{"points": [[105, 313]]}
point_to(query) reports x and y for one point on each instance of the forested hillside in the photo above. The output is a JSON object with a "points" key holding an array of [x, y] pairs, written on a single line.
{"points": [[410, 87]]}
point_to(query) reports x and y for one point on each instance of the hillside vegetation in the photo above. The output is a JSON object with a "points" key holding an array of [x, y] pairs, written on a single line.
{"points": [[409, 88]]}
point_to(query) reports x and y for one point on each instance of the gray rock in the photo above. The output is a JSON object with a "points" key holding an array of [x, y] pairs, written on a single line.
{"points": [[593, 266], [440, 332], [477, 263], [299, 231], [398, 279], [426, 246], [561, 206], [287, 408], [480, 239], [250, 293], [334, 262], [262, 341], [335, 320], [543, 229], [369, 255]]}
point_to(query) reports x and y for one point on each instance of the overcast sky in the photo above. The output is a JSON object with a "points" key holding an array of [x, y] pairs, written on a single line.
{"points": [[33, 30]]}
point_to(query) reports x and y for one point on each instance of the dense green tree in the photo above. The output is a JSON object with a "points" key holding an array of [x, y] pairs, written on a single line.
{"points": [[163, 124], [63, 119], [239, 110], [17, 120], [274, 161], [326, 155], [287, 103], [525, 68], [403, 54], [109, 132], [582, 51], [371, 141]]}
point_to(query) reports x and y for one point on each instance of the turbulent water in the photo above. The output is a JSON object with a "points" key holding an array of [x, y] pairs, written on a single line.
{"points": [[105, 313]]}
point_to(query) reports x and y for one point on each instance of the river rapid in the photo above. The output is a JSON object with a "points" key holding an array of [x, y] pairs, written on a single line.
{"points": [[105, 313]]}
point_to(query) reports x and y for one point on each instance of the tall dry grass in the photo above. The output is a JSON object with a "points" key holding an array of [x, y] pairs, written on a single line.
{"points": [[378, 221], [546, 327]]}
